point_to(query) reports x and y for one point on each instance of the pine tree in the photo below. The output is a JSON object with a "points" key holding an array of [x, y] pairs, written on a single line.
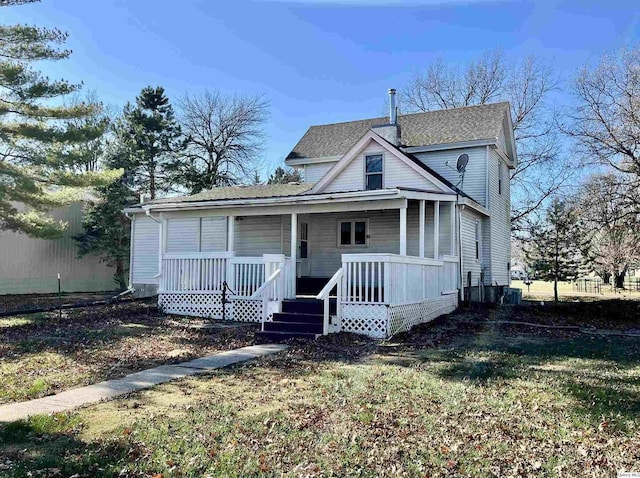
{"points": [[153, 137], [556, 246], [285, 176], [40, 166], [106, 230]]}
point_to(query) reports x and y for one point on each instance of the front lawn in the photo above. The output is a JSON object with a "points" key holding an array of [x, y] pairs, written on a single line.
{"points": [[42, 354], [463, 397]]}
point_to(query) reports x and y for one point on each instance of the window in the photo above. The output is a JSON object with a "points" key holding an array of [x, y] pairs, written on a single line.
{"points": [[304, 240], [373, 172], [500, 166], [353, 233], [477, 241]]}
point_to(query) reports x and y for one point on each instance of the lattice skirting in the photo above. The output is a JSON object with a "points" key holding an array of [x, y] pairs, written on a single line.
{"points": [[367, 319], [403, 317], [382, 321], [209, 305]]}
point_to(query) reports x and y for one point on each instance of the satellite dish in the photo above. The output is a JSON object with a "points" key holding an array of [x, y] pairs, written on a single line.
{"points": [[463, 160]]}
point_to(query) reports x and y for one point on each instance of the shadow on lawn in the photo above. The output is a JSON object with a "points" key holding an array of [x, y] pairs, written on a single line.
{"points": [[47, 446]]}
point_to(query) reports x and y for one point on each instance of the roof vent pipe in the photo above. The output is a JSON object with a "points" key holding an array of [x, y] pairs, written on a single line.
{"points": [[393, 111]]}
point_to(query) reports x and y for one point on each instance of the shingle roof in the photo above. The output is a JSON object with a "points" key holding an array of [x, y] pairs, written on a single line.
{"points": [[241, 192], [454, 125]]}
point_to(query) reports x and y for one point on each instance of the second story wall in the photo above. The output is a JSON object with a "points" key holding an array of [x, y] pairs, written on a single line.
{"points": [[395, 173], [475, 178], [313, 172]]}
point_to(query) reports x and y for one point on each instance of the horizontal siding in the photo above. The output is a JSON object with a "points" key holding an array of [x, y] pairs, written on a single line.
{"points": [[445, 229], [182, 234], [384, 236], [213, 233], [313, 172], [257, 235], [30, 265], [395, 173], [500, 207], [145, 250], [468, 220], [475, 178]]}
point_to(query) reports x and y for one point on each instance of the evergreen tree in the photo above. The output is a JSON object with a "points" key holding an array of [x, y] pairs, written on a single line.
{"points": [[107, 231], [556, 246], [40, 165], [152, 137], [285, 176]]}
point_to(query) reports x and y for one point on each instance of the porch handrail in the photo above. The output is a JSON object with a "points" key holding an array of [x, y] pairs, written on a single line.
{"points": [[324, 296], [266, 283]]}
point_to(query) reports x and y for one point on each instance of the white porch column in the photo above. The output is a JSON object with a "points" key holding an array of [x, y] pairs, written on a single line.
{"points": [[231, 226], [403, 231], [422, 212], [294, 251], [436, 229]]}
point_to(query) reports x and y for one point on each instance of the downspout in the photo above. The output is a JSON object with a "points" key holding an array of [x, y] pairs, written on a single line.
{"points": [[160, 241], [133, 220]]}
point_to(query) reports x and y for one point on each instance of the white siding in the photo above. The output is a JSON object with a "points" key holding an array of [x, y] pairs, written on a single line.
{"points": [[29, 265], [313, 172], [500, 224], [213, 233], [502, 141], [257, 235], [468, 219], [395, 173], [384, 236], [445, 229], [182, 234], [475, 178], [146, 237]]}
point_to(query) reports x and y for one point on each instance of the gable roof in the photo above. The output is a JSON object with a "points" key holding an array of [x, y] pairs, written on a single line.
{"points": [[357, 148], [455, 125]]}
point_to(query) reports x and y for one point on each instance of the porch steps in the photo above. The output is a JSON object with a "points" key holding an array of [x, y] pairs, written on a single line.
{"points": [[300, 318]]}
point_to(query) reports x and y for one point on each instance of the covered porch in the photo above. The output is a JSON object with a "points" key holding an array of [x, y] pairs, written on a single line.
{"points": [[379, 262]]}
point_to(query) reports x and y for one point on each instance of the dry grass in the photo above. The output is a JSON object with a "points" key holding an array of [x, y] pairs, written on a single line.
{"points": [[463, 397], [42, 354]]}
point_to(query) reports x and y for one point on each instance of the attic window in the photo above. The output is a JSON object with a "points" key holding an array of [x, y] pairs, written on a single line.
{"points": [[373, 172]]}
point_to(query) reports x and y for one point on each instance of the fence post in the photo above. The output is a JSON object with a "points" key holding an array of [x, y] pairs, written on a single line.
{"points": [[59, 298]]}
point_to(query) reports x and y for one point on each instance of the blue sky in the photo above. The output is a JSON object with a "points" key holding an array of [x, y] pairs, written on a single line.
{"points": [[317, 61]]}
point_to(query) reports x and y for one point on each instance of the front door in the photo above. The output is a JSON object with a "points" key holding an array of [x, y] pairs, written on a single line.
{"points": [[303, 250]]}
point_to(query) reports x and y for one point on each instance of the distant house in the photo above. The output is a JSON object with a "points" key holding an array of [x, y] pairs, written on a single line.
{"points": [[31, 266], [384, 233]]}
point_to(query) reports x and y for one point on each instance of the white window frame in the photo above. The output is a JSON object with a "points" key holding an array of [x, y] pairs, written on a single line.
{"points": [[352, 243], [478, 241], [500, 174], [366, 174]]}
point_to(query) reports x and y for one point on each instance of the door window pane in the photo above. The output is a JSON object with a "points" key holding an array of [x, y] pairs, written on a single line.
{"points": [[304, 250], [360, 233], [345, 233]]}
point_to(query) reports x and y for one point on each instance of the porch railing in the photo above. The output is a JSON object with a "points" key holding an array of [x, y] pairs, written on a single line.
{"points": [[395, 279], [325, 297], [194, 272]]}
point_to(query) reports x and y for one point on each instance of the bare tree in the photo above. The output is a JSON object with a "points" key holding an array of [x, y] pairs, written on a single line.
{"points": [[527, 86], [605, 120], [613, 225], [225, 139]]}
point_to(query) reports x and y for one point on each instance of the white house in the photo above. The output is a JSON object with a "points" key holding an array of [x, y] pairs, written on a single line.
{"points": [[384, 233]]}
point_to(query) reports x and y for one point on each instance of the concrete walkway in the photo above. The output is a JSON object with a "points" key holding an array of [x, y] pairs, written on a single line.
{"points": [[77, 397]]}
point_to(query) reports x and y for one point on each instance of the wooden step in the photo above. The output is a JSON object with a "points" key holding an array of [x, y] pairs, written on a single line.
{"points": [[274, 336], [303, 327]]}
